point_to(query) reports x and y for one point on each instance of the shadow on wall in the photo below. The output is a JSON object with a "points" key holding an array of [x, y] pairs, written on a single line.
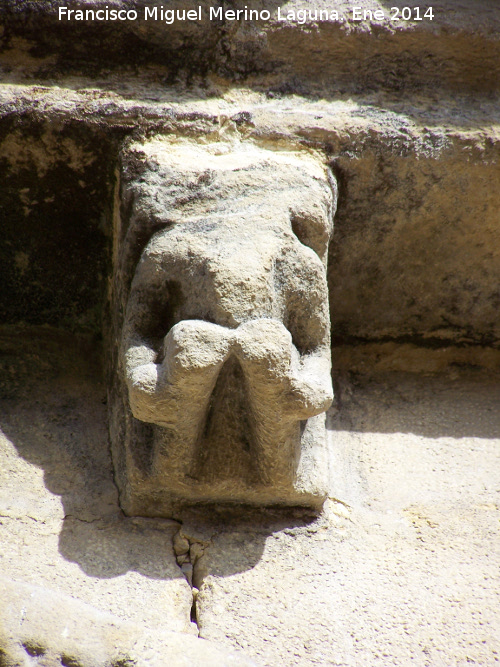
{"points": [[55, 213], [53, 411], [461, 402], [415, 250]]}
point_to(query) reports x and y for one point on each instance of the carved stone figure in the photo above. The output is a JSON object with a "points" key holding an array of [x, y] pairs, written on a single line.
{"points": [[225, 346]]}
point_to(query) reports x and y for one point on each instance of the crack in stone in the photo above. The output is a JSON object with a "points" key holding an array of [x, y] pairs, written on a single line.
{"points": [[71, 517], [189, 554]]}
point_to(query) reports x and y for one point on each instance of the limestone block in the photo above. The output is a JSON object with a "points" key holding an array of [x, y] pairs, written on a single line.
{"points": [[222, 375]]}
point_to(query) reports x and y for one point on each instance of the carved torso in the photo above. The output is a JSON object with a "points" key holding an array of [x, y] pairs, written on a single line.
{"points": [[205, 271]]}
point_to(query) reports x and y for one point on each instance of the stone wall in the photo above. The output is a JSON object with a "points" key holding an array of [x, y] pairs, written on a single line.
{"points": [[400, 565], [415, 250]]}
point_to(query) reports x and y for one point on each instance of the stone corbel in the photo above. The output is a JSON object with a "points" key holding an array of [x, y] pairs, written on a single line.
{"points": [[221, 374]]}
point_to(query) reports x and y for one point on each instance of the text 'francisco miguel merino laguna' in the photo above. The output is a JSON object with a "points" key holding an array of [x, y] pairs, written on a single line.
{"points": [[299, 16], [159, 13]]}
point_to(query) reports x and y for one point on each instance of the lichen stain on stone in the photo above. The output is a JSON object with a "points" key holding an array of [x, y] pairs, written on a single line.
{"points": [[43, 153]]}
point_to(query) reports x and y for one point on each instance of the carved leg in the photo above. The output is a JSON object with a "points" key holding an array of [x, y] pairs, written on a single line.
{"points": [[282, 392], [267, 354], [175, 393]]}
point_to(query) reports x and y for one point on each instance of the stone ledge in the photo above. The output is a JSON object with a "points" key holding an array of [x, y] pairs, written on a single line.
{"points": [[459, 50], [416, 231]]}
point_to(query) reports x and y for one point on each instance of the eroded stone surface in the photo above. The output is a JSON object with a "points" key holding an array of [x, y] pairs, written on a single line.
{"points": [[226, 337], [37, 624], [405, 570], [416, 242], [61, 525], [408, 572], [290, 52]]}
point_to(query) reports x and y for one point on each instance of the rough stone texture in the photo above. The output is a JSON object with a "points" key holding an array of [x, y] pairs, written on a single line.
{"points": [[61, 523], [40, 626], [55, 179], [458, 50], [226, 336], [76, 577], [409, 284], [404, 569], [415, 251]]}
